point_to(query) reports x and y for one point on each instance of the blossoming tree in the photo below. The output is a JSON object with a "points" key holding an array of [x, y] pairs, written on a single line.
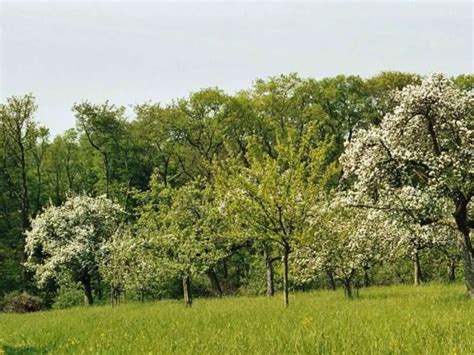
{"points": [[419, 161], [412, 238], [66, 242], [345, 240]]}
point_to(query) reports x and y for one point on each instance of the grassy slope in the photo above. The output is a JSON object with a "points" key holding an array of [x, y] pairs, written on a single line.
{"points": [[431, 319]]}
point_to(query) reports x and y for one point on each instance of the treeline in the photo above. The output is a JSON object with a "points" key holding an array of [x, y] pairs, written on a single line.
{"points": [[236, 191]]}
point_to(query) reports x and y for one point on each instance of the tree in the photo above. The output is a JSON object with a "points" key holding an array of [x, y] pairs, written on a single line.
{"points": [[154, 132], [412, 238], [104, 126], [19, 133], [382, 89], [344, 240], [273, 197], [464, 82], [38, 152], [277, 118], [186, 230], [129, 264], [347, 101], [67, 167], [197, 133], [20, 183], [66, 242], [419, 161]]}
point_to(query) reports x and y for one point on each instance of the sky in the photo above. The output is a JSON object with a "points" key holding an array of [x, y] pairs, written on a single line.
{"points": [[133, 52]]}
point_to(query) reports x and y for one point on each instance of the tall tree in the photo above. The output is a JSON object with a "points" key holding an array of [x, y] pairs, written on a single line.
{"points": [[273, 197], [104, 125], [419, 161], [19, 133]]}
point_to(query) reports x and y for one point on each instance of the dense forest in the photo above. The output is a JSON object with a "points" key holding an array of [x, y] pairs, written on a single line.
{"points": [[295, 184]]}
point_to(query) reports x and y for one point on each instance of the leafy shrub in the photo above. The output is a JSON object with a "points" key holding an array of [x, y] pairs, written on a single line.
{"points": [[68, 297], [22, 303]]}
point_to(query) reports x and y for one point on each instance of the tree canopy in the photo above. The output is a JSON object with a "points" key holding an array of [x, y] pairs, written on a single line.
{"points": [[294, 184]]}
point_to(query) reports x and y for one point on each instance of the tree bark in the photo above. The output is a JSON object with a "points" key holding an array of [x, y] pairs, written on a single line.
{"points": [[114, 295], [86, 285], [417, 274], [366, 277], [38, 191], [214, 280], [107, 173], [348, 288], [25, 204], [452, 270], [269, 271], [188, 300], [468, 260], [225, 269], [465, 244], [330, 282], [286, 252]]}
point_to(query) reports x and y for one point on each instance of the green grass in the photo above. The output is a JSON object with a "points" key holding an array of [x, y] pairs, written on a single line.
{"points": [[432, 319]]}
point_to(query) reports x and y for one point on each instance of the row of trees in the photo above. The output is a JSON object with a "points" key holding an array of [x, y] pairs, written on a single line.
{"points": [[339, 177]]}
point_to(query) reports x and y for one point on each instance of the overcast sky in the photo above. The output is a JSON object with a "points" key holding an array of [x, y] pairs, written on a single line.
{"points": [[131, 52]]}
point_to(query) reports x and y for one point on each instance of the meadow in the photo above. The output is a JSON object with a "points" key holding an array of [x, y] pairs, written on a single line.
{"points": [[430, 319]]}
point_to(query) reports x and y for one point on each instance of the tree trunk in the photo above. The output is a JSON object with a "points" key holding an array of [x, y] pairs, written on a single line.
{"points": [[348, 288], [269, 270], [465, 245], [25, 203], [225, 269], [107, 174], [188, 300], [452, 270], [366, 277], [417, 274], [38, 191], [330, 282], [115, 295], [213, 279], [286, 252], [468, 260], [86, 285]]}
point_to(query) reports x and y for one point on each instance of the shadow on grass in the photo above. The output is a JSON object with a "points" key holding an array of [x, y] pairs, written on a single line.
{"points": [[8, 349]]}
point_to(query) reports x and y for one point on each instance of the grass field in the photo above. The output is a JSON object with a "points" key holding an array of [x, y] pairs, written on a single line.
{"points": [[432, 319]]}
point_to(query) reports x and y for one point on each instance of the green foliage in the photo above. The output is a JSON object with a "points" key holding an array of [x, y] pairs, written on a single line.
{"points": [[68, 296], [184, 228], [217, 187], [465, 81]]}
